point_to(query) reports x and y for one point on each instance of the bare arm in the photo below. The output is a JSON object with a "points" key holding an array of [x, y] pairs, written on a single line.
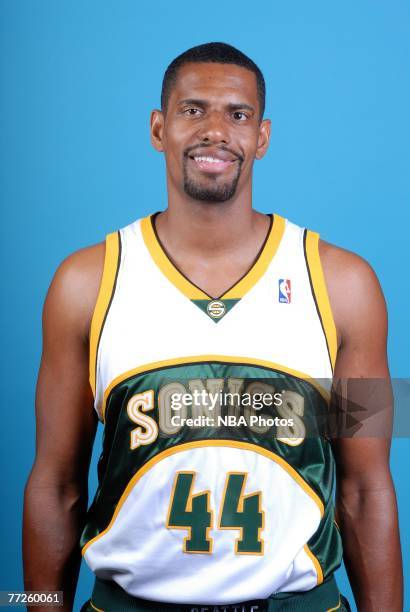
{"points": [[365, 498], [56, 492]]}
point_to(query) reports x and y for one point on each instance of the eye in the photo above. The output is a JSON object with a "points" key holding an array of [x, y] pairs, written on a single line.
{"points": [[239, 116], [191, 111]]}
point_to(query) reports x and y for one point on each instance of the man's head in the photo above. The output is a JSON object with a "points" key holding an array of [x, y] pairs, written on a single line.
{"points": [[211, 125], [212, 53]]}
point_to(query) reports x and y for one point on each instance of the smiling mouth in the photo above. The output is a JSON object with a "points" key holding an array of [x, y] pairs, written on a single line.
{"points": [[208, 163]]}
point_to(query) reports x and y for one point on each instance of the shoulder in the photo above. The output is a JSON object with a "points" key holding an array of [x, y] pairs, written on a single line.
{"points": [[82, 265], [72, 294], [354, 291], [341, 266]]}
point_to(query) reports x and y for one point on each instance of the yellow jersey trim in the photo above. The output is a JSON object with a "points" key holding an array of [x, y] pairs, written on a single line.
{"points": [[261, 264], [337, 607], [238, 290], [315, 562], [105, 294], [228, 359], [95, 607], [165, 264], [201, 444], [320, 294]]}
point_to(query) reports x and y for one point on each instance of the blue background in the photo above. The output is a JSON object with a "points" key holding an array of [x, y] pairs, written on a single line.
{"points": [[78, 81]]}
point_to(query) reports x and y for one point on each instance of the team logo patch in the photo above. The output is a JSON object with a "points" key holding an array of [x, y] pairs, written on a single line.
{"points": [[285, 293], [216, 309]]}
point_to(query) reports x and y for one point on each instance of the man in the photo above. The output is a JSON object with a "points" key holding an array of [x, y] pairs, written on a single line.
{"points": [[197, 509]]}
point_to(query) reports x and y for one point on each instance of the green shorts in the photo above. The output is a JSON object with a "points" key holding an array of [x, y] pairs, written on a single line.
{"points": [[109, 597]]}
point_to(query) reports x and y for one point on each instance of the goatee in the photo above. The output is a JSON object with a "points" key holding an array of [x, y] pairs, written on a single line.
{"points": [[212, 191]]}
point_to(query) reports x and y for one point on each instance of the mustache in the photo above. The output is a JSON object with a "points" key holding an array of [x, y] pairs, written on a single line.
{"points": [[189, 150]]}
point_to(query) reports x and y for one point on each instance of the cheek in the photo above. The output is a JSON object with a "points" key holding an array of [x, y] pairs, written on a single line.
{"points": [[176, 135], [173, 148], [250, 150], [249, 144]]}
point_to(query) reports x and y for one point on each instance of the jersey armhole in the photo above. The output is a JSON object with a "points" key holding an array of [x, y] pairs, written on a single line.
{"points": [[320, 294], [105, 295]]}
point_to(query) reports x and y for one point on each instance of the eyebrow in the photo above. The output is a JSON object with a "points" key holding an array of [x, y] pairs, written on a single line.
{"points": [[205, 103]]}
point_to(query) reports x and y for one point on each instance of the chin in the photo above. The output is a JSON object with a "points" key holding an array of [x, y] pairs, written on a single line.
{"points": [[210, 193]]}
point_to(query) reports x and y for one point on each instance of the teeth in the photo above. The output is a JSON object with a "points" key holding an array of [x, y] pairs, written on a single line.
{"points": [[204, 158]]}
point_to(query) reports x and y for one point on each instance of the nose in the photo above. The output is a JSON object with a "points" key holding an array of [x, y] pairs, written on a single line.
{"points": [[214, 129]]}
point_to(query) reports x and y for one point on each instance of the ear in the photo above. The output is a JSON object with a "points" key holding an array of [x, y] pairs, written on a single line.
{"points": [[263, 138], [157, 129]]}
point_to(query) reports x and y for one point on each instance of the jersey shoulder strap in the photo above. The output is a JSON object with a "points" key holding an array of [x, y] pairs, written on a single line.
{"points": [[106, 292]]}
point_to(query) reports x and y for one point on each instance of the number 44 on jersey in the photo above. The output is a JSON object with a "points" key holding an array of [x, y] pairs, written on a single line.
{"points": [[193, 513]]}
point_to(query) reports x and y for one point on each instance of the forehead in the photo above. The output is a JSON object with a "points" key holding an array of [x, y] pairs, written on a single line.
{"points": [[215, 81]]}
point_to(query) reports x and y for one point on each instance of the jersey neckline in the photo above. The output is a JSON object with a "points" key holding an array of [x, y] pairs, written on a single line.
{"points": [[192, 291]]}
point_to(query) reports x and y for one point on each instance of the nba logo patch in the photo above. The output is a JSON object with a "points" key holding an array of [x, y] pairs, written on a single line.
{"points": [[285, 293]]}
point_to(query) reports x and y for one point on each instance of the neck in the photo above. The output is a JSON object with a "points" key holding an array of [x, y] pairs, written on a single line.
{"points": [[208, 227]]}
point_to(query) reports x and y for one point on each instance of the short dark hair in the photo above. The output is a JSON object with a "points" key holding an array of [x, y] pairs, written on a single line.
{"points": [[217, 53]]}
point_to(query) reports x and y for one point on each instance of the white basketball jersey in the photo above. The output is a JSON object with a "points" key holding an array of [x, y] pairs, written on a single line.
{"points": [[209, 492]]}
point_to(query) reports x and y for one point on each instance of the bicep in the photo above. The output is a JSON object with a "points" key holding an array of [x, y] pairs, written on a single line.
{"points": [[362, 386], [65, 417]]}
